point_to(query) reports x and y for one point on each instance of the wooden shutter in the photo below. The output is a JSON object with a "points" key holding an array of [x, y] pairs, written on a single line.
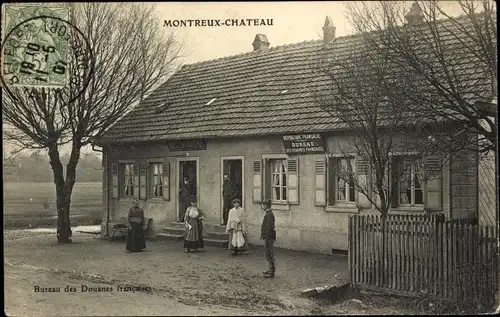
{"points": [[267, 180], [320, 180], [136, 179], [114, 180], [362, 174], [293, 181], [257, 181], [166, 179], [393, 177], [142, 180], [330, 184], [432, 188]]}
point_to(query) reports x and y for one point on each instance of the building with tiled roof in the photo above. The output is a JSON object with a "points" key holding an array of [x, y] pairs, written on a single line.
{"points": [[255, 117]]}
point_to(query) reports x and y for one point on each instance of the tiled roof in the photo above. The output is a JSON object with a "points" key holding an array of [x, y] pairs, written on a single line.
{"points": [[270, 91]]}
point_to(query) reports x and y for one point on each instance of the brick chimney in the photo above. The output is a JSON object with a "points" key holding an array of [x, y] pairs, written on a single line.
{"points": [[414, 16], [260, 42], [328, 31]]}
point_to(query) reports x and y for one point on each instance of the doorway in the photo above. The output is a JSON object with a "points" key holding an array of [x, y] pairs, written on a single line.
{"points": [[187, 168], [233, 166]]}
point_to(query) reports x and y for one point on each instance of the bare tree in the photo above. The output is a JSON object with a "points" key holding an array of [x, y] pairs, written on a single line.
{"points": [[131, 56], [453, 59], [369, 100], [409, 85]]}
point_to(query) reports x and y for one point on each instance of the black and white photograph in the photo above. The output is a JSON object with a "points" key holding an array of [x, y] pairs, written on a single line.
{"points": [[250, 158]]}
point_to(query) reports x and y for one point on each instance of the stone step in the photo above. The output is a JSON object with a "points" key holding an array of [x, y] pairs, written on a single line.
{"points": [[219, 228], [176, 224], [169, 236], [216, 235], [216, 242], [173, 230]]}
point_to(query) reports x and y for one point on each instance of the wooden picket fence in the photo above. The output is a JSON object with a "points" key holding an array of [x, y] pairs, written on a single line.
{"points": [[424, 256]]}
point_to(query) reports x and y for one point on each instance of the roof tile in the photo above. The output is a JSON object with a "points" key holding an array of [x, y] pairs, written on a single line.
{"points": [[248, 88]]}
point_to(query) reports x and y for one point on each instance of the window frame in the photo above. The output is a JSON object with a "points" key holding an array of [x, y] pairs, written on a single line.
{"points": [[275, 204], [282, 173], [414, 162], [347, 185], [121, 178], [332, 166], [150, 178]]}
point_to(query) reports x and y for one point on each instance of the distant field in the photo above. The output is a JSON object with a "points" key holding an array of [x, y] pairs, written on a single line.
{"points": [[26, 200]]}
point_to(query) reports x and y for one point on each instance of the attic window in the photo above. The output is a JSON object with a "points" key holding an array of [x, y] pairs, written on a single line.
{"points": [[284, 91], [210, 102]]}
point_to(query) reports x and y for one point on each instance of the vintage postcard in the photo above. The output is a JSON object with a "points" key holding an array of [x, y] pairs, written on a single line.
{"points": [[248, 158]]}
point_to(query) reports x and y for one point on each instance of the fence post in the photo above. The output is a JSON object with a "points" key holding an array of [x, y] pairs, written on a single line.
{"points": [[370, 250], [411, 254], [454, 250], [356, 249], [349, 247], [379, 271], [439, 279], [363, 250], [385, 251], [480, 258]]}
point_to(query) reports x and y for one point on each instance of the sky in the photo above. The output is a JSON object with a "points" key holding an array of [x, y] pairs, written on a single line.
{"points": [[292, 22]]}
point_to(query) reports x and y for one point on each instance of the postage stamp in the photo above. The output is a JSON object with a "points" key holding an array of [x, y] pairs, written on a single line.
{"points": [[35, 45]]}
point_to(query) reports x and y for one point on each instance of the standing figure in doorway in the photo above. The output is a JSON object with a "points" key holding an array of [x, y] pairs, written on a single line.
{"points": [[236, 228], [186, 191], [229, 193], [136, 239], [268, 234], [193, 239]]}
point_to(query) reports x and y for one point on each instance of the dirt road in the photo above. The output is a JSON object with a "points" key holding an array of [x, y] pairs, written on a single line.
{"points": [[173, 282]]}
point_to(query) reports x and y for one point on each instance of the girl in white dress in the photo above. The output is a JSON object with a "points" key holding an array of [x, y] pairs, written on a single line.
{"points": [[236, 228]]}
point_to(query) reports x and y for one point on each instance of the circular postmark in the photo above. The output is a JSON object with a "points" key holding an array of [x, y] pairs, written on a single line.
{"points": [[49, 53]]}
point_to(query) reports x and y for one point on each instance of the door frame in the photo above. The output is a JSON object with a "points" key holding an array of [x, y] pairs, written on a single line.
{"points": [[221, 200], [177, 181]]}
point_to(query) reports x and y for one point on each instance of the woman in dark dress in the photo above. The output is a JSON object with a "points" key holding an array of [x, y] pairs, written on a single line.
{"points": [[136, 240]]}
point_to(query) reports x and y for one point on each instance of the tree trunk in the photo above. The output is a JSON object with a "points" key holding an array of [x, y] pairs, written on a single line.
{"points": [[64, 189], [62, 203], [63, 221]]}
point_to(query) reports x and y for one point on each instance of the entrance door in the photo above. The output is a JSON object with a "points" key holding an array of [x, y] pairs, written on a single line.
{"points": [[187, 169], [234, 167]]}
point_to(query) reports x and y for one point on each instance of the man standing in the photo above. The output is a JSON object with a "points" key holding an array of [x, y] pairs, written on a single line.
{"points": [[186, 193], [229, 193], [268, 234]]}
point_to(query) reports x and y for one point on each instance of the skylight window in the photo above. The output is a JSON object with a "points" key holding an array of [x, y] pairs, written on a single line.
{"points": [[210, 102], [284, 91]]}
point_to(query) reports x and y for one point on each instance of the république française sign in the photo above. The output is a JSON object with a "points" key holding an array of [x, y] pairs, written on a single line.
{"points": [[187, 145], [304, 143]]}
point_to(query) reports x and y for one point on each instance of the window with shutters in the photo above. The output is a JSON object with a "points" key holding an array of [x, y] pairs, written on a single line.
{"points": [[340, 184], [409, 178], [156, 179], [279, 176], [278, 180], [127, 179]]}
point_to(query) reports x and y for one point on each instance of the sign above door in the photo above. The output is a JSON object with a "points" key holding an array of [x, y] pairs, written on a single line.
{"points": [[187, 145], [304, 143]]}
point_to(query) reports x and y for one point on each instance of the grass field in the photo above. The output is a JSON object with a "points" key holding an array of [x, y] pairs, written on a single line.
{"points": [[36, 200]]}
